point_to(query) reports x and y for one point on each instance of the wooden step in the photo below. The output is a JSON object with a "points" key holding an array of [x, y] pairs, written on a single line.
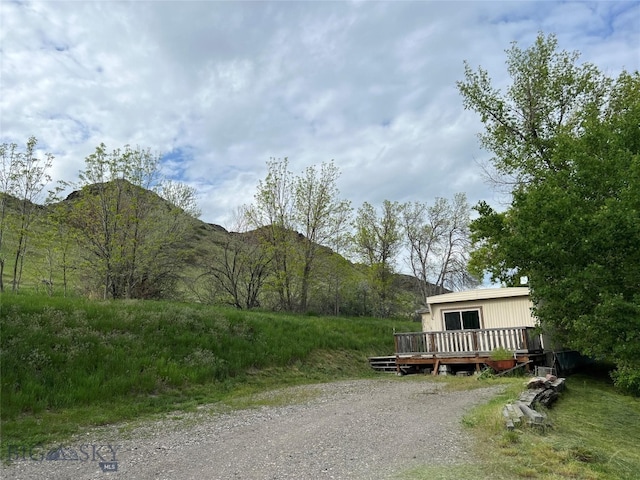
{"points": [[383, 364]]}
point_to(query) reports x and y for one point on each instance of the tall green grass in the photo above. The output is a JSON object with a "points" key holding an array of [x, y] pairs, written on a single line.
{"points": [[108, 361]]}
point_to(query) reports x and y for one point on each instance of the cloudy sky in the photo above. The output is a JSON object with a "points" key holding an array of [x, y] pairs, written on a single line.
{"points": [[218, 88]]}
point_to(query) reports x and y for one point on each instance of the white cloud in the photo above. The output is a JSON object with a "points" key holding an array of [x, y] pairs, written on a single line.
{"points": [[223, 86]]}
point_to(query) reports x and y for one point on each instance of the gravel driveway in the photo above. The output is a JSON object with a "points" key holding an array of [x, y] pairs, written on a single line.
{"points": [[361, 429]]}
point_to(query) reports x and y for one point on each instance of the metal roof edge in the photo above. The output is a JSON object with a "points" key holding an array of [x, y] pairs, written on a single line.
{"points": [[479, 294]]}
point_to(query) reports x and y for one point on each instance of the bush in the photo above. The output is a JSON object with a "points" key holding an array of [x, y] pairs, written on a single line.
{"points": [[627, 378], [501, 353]]}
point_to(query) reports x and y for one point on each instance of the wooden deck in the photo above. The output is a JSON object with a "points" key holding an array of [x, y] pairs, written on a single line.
{"points": [[465, 347]]}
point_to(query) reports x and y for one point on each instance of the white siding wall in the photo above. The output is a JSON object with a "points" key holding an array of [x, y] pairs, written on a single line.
{"points": [[494, 313]]}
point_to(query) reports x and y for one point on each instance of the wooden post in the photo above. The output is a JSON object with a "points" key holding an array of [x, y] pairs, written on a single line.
{"points": [[435, 367]]}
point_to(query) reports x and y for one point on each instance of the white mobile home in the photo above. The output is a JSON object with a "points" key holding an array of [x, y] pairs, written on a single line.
{"points": [[465, 329], [477, 309]]}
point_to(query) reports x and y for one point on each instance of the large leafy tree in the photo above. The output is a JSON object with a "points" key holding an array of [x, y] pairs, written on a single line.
{"points": [[550, 93], [294, 217], [132, 240], [322, 217], [573, 226]]}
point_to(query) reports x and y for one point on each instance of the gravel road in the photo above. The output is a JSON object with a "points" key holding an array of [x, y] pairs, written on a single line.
{"points": [[361, 429]]}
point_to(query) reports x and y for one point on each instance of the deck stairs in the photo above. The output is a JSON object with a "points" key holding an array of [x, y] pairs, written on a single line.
{"points": [[383, 364]]}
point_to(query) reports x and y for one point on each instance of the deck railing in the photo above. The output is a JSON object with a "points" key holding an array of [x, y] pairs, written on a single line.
{"points": [[483, 341]]}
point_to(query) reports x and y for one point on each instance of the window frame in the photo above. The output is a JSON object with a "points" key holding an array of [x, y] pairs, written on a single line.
{"points": [[460, 311]]}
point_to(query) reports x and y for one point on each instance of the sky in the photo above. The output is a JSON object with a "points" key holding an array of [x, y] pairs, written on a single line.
{"points": [[216, 89]]}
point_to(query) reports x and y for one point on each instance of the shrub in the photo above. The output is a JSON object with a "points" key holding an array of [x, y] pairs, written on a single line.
{"points": [[626, 377], [501, 353]]}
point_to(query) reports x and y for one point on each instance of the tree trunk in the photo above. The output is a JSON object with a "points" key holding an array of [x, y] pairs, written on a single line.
{"points": [[15, 283]]}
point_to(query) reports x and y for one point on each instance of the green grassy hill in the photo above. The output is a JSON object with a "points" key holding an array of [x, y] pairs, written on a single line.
{"points": [[66, 363]]}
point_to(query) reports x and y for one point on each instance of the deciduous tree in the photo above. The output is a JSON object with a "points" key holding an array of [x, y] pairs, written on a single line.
{"points": [[23, 175], [550, 93], [133, 241], [9, 156], [439, 244], [243, 267], [573, 226], [295, 216], [321, 215], [271, 216], [377, 240], [180, 195]]}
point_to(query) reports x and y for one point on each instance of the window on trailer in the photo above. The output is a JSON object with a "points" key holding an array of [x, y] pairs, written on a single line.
{"points": [[462, 320]]}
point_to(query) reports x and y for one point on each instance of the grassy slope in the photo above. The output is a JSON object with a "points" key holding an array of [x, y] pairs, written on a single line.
{"points": [[594, 435], [68, 363]]}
